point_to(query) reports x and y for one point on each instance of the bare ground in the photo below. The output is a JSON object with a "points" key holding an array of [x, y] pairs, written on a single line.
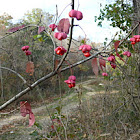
{"points": [[18, 123]]}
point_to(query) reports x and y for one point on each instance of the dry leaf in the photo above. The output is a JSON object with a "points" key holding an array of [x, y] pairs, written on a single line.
{"points": [[30, 68], [102, 62], [25, 108], [64, 25], [95, 66]]}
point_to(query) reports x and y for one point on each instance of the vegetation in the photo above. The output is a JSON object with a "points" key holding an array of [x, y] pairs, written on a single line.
{"points": [[107, 107]]}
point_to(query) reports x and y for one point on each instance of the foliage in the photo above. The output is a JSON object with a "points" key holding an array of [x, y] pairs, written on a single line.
{"points": [[48, 58], [119, 13], [5, 20], [37, 16]]}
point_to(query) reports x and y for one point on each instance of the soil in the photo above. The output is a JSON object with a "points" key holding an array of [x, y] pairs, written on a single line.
{"points": [[16, 127]]}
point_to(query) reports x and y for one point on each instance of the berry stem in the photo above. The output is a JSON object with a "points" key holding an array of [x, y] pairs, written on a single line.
{"points": [[71, 70]]}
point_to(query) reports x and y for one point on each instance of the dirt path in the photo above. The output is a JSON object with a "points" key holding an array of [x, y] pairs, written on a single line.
{"points": [[69, 104], [17, 117]]}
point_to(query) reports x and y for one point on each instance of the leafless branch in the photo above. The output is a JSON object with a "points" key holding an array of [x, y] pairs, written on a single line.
{"points": [[54, 46], [15, 73], [60, 64]]}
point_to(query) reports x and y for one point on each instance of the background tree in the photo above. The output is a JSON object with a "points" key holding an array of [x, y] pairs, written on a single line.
{"points": [[119, 13], [125, 15], [5, 22], [119, 111], [40, 45], [36, 16]]}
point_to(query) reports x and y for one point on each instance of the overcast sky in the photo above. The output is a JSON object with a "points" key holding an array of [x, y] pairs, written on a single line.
{"points": [[89, 8]]}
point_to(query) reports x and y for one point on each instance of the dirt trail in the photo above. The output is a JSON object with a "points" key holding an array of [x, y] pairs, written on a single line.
{"points": [[16, 127], [17, 117]]}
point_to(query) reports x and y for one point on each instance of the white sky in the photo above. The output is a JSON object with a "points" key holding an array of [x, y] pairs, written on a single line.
{"points": [[89, 8]]}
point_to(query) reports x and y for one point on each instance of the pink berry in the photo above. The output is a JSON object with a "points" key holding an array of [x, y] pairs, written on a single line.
{"points": [[125, 53], [60, 50], [79, 15], [28, 52], [56, 34], [85, 49], [128, 54], [113, 66], [60, 35], [81, 47], [73, 13], [86, 54], [72, 77], [137, 38], [76, 14], [109, 59], [71, 81], [67, 81], [132, 39], [73, 84], [112, 57], [70, 86], [25, 48], [133, 43], [52, 26], [104, 74]]}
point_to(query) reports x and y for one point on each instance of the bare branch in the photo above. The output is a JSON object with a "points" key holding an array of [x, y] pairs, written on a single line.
{"points": [[69, 44], [15, 73], [18, 31], [60, 64], [54, 46]]}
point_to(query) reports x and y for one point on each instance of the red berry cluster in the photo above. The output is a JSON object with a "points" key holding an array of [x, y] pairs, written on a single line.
{"points": [[135, 39], [52, 26], [60, 35], [71, 81], [26, 50], [60, 50], [127, 53], [85, 49], [111, 58], [76, 14]]}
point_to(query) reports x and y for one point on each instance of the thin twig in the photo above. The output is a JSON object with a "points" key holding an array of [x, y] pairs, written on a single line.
{"points": [[78, 5], [1, 78], [60, 64], [83, 31], [120, 107], [54, 46], [17, 31], [6, 113], [56, 15], [70, 40], [64, 10], [15, 73], [127, 36], [47, 77]]}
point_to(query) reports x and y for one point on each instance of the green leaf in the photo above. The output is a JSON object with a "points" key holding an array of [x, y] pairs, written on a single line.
{"points": [[41, 39], [58, 108], [35, 36], [39, 36], [100, 24], [38, 125], [82, 41], [95, 18], [106, 39], [34, 133]]}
